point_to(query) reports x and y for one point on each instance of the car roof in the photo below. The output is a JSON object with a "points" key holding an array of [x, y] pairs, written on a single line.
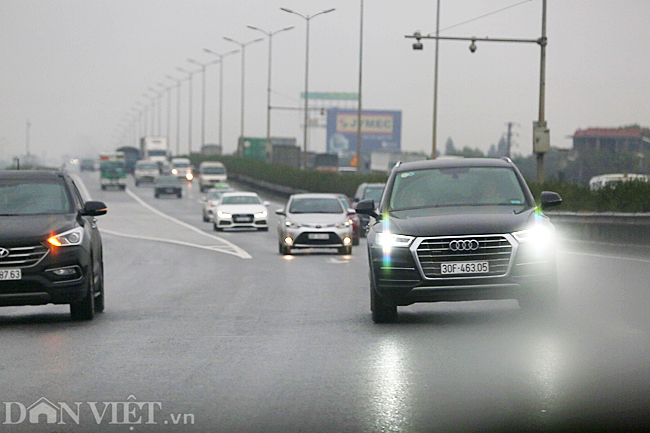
{"points": [[226, 194], [315, 195], [32, 174], [453, 162]]}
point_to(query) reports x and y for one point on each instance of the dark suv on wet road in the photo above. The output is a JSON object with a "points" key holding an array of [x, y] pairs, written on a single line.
{"points": [[50, 246], [459, 230]]}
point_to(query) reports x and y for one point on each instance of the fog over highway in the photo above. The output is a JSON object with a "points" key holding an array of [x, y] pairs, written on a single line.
{"points": [[218, 332]]}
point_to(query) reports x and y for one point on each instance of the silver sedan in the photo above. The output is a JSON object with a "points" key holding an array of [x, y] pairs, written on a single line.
{"points": [[314, 221]]}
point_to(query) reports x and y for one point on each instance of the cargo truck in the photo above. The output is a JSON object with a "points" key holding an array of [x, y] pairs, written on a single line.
{"points": [[112, 171], [154, 149]]}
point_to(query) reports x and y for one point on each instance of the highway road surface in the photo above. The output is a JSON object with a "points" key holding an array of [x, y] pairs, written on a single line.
{"points": [[218, 332]]}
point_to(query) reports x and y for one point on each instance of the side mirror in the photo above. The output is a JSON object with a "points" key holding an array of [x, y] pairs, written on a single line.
{"points": [[367, 207], [280, 212], [94, 208], [550, 199], [267, 203], [351, 212]]}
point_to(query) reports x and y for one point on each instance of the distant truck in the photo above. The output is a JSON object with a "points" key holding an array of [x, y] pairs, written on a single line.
{"points": [[286, 154], [154, 149], [112, 170], [211, 173], [326, 162], [131, 156], [87, 165]]}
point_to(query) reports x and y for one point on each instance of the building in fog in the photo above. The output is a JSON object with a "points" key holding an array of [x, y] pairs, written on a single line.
{"points": [[611, 140]]}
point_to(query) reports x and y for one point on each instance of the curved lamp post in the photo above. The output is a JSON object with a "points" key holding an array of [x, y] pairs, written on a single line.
{"points": [[307, 18]]}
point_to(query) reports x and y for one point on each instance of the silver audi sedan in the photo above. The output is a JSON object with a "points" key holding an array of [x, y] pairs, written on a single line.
{"points": [[314, 221]]}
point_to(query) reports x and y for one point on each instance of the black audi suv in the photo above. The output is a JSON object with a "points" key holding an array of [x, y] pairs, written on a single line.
{"points": [[50, 246], [459, 230]]}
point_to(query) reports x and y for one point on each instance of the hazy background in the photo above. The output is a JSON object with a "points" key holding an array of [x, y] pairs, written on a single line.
{"points": [[76, 68]]}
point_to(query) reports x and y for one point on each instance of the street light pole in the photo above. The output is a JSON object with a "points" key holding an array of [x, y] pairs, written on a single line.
{"points": [[541, 121], [243, 57], [359, 136], [541, 134], [159, 108], [221, 56], [434, 141], [268, 87], [189, 139], [307, 18], [178, 112], [169, 110], [203, 67]]}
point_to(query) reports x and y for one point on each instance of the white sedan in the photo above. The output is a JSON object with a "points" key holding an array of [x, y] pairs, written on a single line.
{"points": [[241, 210]]}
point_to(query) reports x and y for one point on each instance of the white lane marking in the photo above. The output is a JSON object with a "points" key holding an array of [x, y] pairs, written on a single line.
{"points": [[170, 241], [603, 256], [237, 251]]}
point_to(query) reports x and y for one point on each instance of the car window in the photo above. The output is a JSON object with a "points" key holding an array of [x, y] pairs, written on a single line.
{"points": [[240, 199], [168, 180], [77, 195], [213, 170], [147, 167], [374, 193], [315, 205], [458, 186], [21, 197]]}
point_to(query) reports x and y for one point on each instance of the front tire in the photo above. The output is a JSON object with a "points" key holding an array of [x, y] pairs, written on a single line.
{"points": [[84, 309], [345, 250], [99, 299], [381, 311]]}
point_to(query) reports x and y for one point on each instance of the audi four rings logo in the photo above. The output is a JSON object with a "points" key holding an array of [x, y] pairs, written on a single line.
{"points": [[464, 245], [3, 253]]}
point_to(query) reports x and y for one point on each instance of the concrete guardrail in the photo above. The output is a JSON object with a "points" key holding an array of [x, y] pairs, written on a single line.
{"points": [[611, 227]]}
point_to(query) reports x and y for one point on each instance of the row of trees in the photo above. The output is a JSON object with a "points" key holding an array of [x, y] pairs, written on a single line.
{"points": [[564, 165]]}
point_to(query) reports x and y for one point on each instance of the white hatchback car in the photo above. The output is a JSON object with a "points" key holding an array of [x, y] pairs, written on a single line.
{"points": [[241, 210]]}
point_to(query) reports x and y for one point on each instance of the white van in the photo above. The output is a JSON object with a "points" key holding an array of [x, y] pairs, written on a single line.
{"points": [[210, 174], [146, 171]]}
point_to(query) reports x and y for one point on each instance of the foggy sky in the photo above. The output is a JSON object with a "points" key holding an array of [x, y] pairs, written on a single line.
{"points": [[77, 68]]}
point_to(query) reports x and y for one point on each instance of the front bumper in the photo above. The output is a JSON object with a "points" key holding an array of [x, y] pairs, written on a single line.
{"points": [[404, 276], [41, 285], [313, 237], [239, 221]]}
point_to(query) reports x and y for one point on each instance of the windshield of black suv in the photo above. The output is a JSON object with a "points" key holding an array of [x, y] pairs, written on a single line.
{"points": [[373, 192], [240, 199], [23, 197], [315, 205], [456, 186]]}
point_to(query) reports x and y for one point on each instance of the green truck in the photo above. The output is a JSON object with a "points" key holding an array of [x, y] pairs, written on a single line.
{"points": [[112, 168]]}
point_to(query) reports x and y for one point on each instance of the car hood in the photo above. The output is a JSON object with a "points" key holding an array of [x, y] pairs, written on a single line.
{"points": [[465, 220], [17, 230], [241, 208], [316, 218]]}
